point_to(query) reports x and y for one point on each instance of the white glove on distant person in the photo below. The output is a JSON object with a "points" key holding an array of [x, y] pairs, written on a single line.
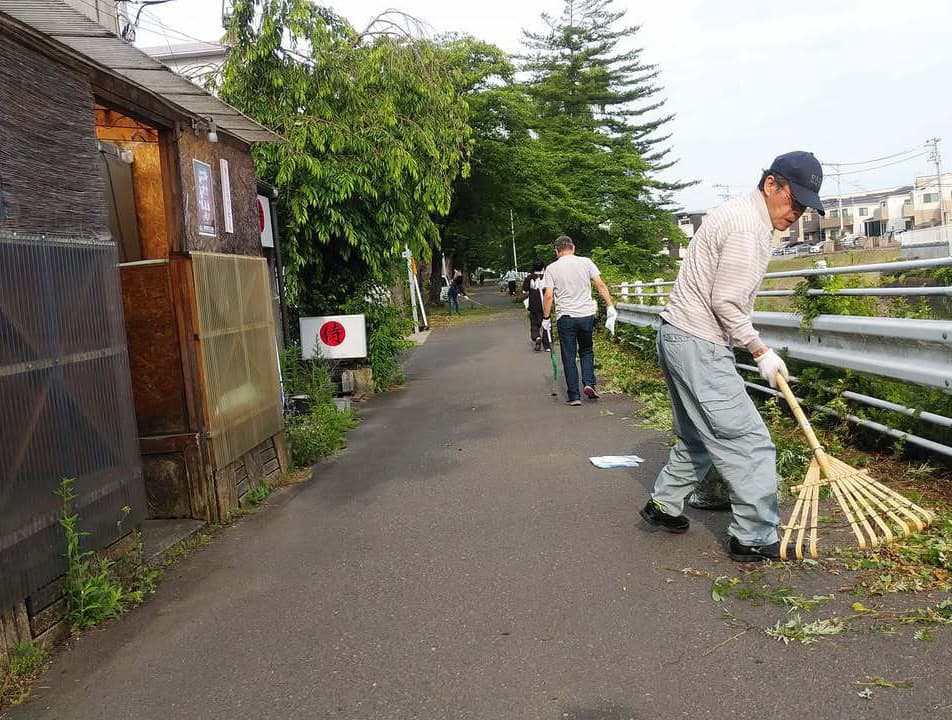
{"points": [[547, 324], [611, 315], [769, 364]]}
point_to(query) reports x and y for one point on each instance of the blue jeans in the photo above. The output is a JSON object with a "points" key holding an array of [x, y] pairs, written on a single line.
{"points": [[453, 301], [575, 338]]}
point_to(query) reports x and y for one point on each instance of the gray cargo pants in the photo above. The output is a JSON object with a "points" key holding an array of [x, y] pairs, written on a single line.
{"points": [[716, 424]]}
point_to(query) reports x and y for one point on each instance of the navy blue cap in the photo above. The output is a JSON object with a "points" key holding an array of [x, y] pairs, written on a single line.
{"points": [[803, 171]]}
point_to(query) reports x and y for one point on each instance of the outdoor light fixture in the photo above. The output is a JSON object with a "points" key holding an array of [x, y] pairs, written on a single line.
{"points": [[208, 124]]}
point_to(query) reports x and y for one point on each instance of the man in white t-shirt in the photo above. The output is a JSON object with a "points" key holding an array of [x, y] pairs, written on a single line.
{"points": [[568, 282]]}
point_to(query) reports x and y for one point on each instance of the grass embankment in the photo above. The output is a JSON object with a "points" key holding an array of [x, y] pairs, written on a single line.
{"points": [[470, 312]]}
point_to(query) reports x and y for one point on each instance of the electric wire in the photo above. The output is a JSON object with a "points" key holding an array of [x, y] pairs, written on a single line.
{"points": [[878, 167], [873, 160]]}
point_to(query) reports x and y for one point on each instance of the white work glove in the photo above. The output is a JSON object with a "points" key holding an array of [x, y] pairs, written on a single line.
{"points": [[547, 324], [611, 315], [769, 364]]}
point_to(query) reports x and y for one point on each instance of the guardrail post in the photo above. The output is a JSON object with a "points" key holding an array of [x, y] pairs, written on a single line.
{"points": [[657, 290], [639, 291], [624, 292]]}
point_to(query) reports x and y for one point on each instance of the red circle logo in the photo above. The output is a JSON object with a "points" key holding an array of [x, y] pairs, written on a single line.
{"points": [[260, 216], [332, 333]]}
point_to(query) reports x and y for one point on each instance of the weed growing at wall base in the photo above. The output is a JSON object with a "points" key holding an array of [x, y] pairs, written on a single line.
{"points": [[323, 428], [93, 593]]}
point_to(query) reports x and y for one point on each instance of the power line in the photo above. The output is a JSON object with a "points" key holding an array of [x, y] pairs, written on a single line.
{"points": [[873, 160], [166, 29], [884, 165]]}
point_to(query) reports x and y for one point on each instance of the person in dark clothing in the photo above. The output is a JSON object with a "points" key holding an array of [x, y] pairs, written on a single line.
{"points": [[452, 295], [532, 288]]}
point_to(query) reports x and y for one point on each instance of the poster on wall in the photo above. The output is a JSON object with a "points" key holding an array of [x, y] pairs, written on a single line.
{"points": [[226, 196], [205, 196]]}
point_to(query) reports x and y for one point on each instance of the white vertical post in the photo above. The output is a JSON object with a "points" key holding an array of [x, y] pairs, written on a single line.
{"points": [[658, 288], [639, 292], [512, 229], [416, 284], [411, 287], [624, 291]]}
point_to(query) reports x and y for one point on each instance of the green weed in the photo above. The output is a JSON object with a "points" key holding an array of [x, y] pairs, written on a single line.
{"points": [[23, 661], [93, 593], [186, 547], [322, 430], [257, 494]]}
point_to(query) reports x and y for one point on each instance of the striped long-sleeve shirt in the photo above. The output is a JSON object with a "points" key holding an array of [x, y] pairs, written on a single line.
{"points": [[714, 293]]}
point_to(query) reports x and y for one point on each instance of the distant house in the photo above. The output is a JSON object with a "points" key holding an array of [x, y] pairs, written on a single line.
{"points": [[874, 214], [197, 61]]}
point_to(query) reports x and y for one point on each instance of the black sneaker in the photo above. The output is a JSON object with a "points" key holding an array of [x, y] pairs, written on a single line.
{"points": [[656, 517], [590, 392], [754, 553], [538, 344]]}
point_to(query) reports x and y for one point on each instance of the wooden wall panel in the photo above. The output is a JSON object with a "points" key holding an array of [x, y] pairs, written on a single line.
{"points": [[155, 360], [246, 239]]}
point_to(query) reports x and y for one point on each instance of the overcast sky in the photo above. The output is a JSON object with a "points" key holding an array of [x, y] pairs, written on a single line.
{"points": [[849, 80]]}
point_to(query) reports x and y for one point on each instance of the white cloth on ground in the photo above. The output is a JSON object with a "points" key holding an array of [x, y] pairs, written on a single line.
{"points": [[616, 461]]}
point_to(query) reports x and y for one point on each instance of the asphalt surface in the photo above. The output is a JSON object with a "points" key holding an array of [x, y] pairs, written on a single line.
{"points": [[463, 559]]}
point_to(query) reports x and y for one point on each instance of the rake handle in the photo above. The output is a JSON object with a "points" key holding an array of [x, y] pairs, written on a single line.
{"points": [[804, 424]]}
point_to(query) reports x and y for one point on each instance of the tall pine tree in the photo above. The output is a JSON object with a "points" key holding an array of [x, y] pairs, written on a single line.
{"points": [[601, 121]]}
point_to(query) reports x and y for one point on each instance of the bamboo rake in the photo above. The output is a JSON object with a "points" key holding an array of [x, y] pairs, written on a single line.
{"points": [[863, 499]]}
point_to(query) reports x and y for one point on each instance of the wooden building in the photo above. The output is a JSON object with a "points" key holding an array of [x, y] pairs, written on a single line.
{"points": [[138, 353]]}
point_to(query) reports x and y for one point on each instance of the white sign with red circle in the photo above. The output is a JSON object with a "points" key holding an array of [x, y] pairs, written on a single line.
{"points": [[264, 221], [334, 337]]}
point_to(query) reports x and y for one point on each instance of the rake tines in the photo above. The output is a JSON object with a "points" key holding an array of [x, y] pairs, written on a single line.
{"points": [[875, 512]]}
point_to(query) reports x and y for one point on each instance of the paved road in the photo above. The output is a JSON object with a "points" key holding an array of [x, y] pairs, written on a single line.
{"points": [[463, 560]]}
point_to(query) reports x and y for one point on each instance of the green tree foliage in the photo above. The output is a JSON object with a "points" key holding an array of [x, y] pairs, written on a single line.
{"points": [[376, 136], [593, 100], [509, 168]]}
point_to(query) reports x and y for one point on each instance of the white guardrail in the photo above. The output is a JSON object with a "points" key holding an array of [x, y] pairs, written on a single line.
{"points": [[907, 350]]}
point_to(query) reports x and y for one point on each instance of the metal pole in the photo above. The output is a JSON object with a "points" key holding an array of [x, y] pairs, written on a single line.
{"points": [[512, 229], [937, 159], [839, 192], [279, 267]]}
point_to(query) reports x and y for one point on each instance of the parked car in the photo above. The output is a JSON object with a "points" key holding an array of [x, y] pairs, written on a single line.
{"points": [[817, 248], [779, 249], [852, 241]]}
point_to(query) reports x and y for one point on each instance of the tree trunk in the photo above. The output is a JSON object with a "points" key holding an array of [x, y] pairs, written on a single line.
{"points": [[436, 279]]}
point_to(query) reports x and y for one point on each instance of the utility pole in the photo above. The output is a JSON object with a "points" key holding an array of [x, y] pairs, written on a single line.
{"points": [[936, 157], [839, 193], [512, 229]]}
